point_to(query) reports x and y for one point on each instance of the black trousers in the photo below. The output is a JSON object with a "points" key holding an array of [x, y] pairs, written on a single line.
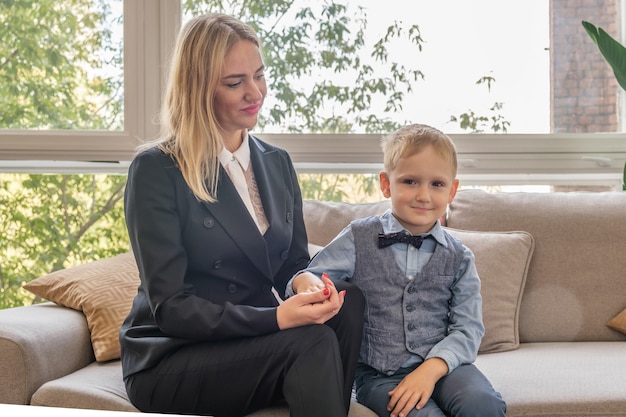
{"points": [[309, 368]]}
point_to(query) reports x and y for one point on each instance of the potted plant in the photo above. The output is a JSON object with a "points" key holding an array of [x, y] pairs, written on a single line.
{"points": [[615, 55]]}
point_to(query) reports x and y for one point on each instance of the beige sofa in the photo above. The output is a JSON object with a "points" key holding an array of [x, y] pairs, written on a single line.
{"points": [[553, 270]]}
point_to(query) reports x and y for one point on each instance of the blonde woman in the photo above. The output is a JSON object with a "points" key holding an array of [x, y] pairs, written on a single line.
{"points": [[215, 221]]}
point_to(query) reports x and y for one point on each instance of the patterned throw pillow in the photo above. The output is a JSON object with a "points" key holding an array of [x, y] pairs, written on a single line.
{"points": [[103, 290], [618, 322]]}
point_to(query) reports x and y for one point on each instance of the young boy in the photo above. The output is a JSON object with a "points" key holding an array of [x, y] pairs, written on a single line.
{"points": [[423, 317]]}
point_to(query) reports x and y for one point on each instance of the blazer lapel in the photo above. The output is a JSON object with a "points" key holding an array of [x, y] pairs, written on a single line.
{"points": [[268, 173], [233, 215]]}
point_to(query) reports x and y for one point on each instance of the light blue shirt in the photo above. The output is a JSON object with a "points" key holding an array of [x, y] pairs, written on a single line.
{"points": [[338, 259]]}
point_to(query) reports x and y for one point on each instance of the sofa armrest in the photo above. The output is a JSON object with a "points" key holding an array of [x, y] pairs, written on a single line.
{"points": [[39, 343]]}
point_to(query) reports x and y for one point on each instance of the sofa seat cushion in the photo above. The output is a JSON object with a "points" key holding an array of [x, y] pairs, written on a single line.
{"points": [[560, 379], [100, 386]]}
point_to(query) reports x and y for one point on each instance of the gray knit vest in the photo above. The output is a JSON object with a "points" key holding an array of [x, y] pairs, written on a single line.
{"points": [[402, 317]]}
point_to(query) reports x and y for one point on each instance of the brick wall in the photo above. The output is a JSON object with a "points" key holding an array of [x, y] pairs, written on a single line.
{"points": [[584, 96]]}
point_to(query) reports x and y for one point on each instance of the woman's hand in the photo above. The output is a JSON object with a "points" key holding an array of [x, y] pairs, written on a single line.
{"points": [[315, 302]]}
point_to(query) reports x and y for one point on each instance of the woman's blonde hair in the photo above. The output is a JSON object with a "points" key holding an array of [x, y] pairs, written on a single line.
{"points": [[411, 139], [189, 128]]}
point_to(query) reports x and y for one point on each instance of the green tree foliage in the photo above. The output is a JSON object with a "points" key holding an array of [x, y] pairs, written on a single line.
{"points": [[47, 49], [324, 42], [339, 187], [51, 221], [53, 62], [477, 123]]}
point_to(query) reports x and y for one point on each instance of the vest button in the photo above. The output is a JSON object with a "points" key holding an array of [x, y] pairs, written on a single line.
{"points": [[232, 288], [410, 308], [411, 290], [208, 222], [217, 264], [284, 255], [411, 327]]}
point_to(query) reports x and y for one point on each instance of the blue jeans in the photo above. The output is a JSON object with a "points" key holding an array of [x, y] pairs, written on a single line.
{"points": [[465, 392]]}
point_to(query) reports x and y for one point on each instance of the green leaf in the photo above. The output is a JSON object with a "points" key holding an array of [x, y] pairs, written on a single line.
{"points": [[613, 52]]}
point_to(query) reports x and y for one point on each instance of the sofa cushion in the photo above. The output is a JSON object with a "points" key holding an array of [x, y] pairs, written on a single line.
{"points": [[103, 290], [325, 219], [576, 276], [560, 379], [100, 386], [502, 260], [618, 322], [39, 343]]}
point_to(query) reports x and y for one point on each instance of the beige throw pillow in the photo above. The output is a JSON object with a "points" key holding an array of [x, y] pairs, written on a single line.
{"points": [[103, 290], [502, 260]]}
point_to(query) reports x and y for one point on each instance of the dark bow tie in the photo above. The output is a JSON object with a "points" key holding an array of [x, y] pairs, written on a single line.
{"points": [[385, 240]]}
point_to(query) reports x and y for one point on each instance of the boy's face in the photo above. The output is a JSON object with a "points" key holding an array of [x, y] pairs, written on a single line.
{"points": [[420, 187]]}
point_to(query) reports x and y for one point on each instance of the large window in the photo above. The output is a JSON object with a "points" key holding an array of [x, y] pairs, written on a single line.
{"points": [[523, 91], [475, 69]]}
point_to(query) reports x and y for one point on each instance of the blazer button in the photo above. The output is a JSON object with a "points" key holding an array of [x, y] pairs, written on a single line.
{"points": [[289, 217], [232, 288], [209, 222], [217, 265], [284, 255]]}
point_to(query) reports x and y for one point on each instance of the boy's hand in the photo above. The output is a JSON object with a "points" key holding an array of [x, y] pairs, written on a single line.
{"points": [[307, 282], [415, 389], [311, 306]]}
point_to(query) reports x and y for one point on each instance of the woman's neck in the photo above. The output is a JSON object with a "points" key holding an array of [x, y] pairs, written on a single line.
{"points": [[233, 140]]}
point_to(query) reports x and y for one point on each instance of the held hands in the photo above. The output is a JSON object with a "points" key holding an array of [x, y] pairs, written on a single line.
{"points": [[414, 391], [316, 301]]}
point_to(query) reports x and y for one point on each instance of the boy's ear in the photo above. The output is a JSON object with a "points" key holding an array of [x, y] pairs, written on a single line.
{"points": [[455, 187], [384, 184]]}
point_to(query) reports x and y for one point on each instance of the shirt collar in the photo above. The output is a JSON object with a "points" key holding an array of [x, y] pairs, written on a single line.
{"points": [[242, 154], [392, 225]]}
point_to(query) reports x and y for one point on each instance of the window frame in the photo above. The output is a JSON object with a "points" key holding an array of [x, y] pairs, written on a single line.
{"points": [[144, 21], [484, 159]]}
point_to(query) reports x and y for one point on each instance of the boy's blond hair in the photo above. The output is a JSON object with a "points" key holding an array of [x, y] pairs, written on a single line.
{"points": [[411, 139]]}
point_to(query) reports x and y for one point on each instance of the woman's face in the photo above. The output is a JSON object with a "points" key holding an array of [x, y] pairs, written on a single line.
{"points": [[241, 89]]}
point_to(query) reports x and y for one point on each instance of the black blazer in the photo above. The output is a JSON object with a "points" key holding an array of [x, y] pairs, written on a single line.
{"points": [[206, 271]]}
